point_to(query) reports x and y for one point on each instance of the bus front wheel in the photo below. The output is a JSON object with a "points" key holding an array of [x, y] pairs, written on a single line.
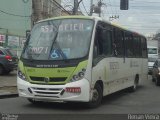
{"points": [[96, 97]]}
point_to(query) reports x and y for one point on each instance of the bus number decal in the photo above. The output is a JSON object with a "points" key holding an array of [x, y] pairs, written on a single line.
{"points": [[39, 50]]}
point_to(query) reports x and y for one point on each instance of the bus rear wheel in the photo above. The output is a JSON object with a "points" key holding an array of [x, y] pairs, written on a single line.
{"points": [[134, 87], [96, 97]]}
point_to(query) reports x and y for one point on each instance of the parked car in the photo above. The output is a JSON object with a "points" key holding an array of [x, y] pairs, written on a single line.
{"points": [[156, 72], [8, 61], [151, 62]]}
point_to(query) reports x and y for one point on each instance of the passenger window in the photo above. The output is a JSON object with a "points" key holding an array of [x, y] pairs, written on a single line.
{"points": [[118, 42], [107, 41], [129, 45], [137, 46], [144, 48]]}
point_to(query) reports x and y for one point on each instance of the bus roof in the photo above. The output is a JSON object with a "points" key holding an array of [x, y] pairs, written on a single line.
{"points": [[90, 17], [71, 16]]}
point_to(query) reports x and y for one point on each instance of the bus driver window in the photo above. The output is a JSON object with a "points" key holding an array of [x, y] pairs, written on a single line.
{"points": [[103, 41]]}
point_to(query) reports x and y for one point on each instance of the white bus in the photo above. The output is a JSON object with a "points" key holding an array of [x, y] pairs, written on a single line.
{"points": [[79, 58]]}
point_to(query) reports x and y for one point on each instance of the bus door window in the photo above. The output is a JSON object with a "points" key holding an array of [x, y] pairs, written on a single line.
{"points": [[103, 40], [98, 49]]}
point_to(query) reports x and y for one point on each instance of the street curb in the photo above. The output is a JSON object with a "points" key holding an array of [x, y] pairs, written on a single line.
{"points": [[8, 86], [8, 95]]}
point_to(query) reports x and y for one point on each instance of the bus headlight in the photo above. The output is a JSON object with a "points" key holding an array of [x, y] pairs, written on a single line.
{"points": [[78, 76], [21, 75]]}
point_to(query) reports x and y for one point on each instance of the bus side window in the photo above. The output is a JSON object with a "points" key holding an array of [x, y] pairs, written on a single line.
{"points": [[118, 41], [129, 52], [107, 41], [144, 48], [137, 46]]}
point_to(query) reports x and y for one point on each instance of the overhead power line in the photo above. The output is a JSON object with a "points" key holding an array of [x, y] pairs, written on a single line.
{"points": [[58, 5], [85, 8], [13, 14]]}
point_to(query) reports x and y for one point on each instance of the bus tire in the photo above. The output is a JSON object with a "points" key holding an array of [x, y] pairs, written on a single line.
{"points": [[134, 87], [97, 97], [157, 81]]}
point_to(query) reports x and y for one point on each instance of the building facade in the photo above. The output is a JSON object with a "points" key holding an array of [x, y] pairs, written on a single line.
{"points": [[45, 9], [15, 16], [18, 16]]}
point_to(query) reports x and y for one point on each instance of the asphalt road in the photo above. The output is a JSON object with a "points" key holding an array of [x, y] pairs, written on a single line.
{"points": [[145, 100], [8, 80]]}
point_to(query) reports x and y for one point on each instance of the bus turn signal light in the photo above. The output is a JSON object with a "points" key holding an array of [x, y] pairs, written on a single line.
{"points": [[73, 89]]}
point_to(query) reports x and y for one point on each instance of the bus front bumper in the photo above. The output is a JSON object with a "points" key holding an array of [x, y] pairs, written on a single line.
{"points": [[74, 91]]}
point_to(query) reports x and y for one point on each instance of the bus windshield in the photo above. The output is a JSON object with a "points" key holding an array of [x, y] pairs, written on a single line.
{"points": [[59, 39]]}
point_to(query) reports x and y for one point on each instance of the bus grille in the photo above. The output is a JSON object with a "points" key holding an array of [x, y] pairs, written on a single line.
{"points": [[51, 79], [46, 92]]}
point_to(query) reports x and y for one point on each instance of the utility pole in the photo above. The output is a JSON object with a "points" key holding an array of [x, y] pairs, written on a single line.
{"points": [[96, 8], [100, 5], [91, 8], [76, 5]]}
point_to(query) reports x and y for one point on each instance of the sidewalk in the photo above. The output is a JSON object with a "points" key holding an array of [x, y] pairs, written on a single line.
{"points": [[8, 85]]}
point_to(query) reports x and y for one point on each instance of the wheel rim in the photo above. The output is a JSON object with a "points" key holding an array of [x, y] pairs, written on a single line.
{"points": [[95, 95]]}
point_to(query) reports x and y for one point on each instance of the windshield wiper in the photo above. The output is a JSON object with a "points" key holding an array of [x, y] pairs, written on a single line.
{"points": [[58, 48]]}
